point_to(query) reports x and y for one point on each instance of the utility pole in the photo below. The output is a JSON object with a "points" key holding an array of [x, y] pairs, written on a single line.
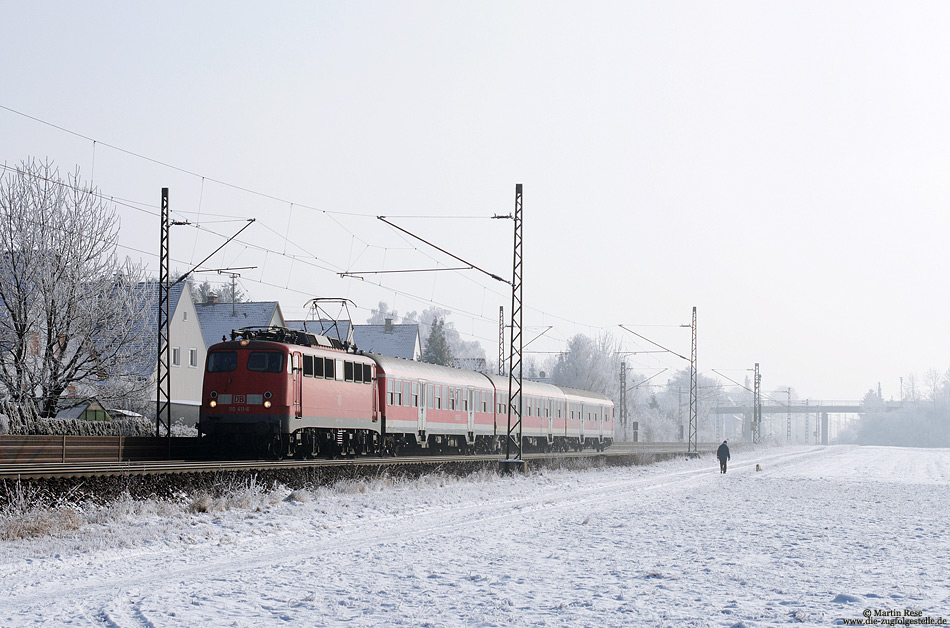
{"points": [[513, 441], [757, 407], [693, 444], [163, 409]]}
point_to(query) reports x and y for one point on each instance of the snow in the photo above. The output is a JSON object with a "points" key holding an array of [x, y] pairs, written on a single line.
{"points": [[816, 537]]}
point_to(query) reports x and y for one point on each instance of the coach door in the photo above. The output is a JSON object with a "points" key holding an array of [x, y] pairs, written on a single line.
{"points": [[423, 399], [297, 370], [549, 412], [470, 407]]}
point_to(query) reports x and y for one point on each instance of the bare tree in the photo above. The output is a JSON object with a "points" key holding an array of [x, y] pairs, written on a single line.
{"points": [[72, 316], [590, 364], [932, 382]]}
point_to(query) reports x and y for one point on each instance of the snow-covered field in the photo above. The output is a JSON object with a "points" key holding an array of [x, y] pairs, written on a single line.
{"points": [[819, 536]]}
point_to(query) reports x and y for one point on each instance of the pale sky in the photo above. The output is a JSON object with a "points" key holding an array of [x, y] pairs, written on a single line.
{"points": [[779, 165]]}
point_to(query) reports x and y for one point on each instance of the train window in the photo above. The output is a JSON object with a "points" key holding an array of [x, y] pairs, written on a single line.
{"points": [[317, 367], [367, 373], [398, 394], [328, 368], [348, 371], [265, 361], [406, 395], [452, 404], [339, 370], [389, 392], [431, 394], [222, 361], [308, 366], [415, 394], [436, 398]]}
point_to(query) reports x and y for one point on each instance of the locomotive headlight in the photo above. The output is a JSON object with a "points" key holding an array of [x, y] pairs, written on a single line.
{"points": [[267, 404], [213, 403]]}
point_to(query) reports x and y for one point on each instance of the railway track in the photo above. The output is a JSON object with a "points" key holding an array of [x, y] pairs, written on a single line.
{"points": [[78, 457]]}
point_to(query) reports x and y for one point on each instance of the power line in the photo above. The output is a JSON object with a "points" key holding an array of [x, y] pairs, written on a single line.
{"points": [[331, 214]]}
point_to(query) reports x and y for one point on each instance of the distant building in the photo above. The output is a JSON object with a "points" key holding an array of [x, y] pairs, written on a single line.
{"points": [[187, 348], [396, 341], [85, 410]]}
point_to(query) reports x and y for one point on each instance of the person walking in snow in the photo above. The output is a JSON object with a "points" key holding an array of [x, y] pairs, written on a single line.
{"points": [[723, 454]]}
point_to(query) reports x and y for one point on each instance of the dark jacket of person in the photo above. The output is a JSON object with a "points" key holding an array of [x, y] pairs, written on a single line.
{"points": [[723, 452]]}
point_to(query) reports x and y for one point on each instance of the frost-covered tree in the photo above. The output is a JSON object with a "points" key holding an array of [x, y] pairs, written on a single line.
{"points": [[226, 293], [436, 350], [71, 314], [590, 364], [380, 314]]}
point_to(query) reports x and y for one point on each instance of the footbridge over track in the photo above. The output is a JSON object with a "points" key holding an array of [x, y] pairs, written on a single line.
{"points": [[797, 407]]}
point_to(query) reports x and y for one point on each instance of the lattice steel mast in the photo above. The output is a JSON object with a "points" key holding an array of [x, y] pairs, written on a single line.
{"points": [[501, 339], [757, 407], [163, 409], [513, 441], [693, 443], [788, 421], [623, 398]]}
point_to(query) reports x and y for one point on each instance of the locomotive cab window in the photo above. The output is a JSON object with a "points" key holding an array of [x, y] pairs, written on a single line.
{"points": [[348, 371], [222, 361], [328, 370], [308, 366], [265, 362]]}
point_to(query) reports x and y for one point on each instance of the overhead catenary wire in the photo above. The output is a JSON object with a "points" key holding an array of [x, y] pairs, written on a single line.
{"points": [[331, 214]]}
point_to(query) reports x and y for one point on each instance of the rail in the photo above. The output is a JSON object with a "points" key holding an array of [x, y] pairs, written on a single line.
{"points": [[90, 456]]}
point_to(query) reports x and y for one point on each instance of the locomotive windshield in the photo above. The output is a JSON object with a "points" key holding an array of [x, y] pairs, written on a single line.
{"points": [[265, 361], [222, 361]]}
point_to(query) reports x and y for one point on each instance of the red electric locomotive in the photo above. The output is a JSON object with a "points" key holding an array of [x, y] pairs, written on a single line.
{"points": [[292, 392]]}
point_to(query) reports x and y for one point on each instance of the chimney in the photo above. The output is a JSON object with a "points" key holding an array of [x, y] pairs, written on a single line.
{"points": [[211, 299], [389, 326]]}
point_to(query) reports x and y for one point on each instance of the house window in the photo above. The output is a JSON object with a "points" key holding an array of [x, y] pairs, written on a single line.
{"points": [[193, 357], [184, 316], [176, 356]]}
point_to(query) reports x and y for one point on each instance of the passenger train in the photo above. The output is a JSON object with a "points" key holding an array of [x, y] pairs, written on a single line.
{"points": [[284, 392]]}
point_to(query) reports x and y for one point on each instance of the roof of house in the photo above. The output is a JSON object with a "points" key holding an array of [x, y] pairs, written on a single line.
{"points": [[399, 342], [217, 320], [79, 408]]}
